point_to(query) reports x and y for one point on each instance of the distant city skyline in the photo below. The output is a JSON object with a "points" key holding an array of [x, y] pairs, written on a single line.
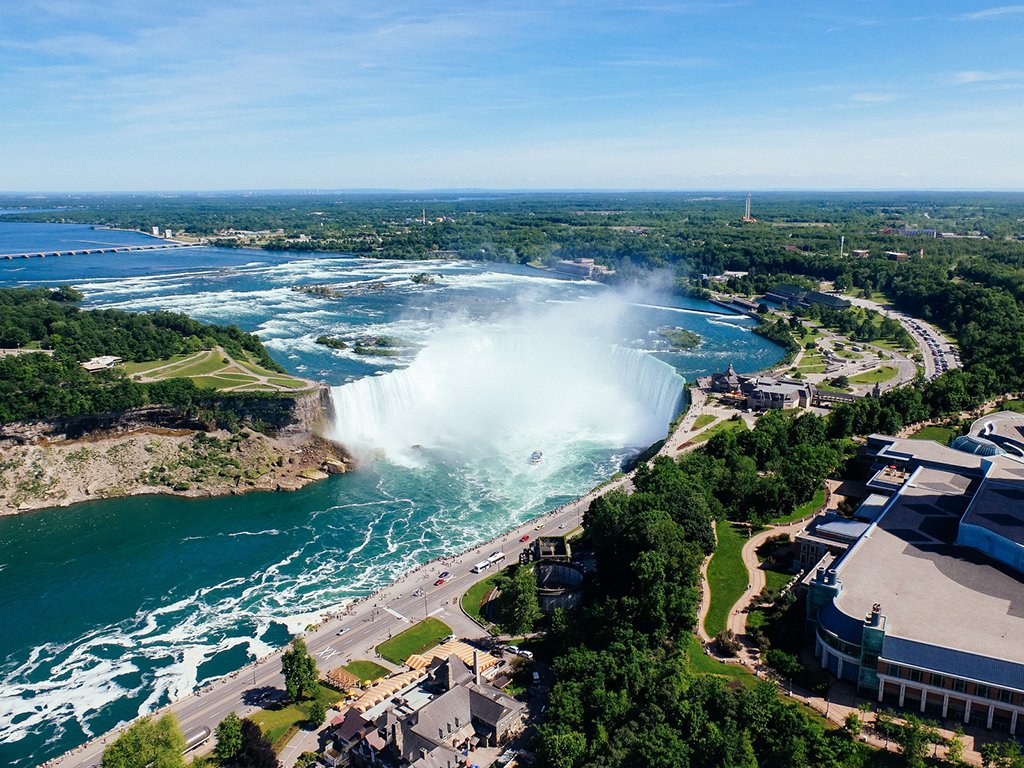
{"points": [[191, 95]]}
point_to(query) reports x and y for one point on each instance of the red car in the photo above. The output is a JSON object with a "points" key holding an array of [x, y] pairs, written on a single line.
{"points": [[439, 582], [525, 537]]}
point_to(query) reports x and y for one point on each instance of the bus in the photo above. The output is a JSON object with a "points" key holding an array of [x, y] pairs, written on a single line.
{"points": [[480, 567], [196, 737], [495, 557]]}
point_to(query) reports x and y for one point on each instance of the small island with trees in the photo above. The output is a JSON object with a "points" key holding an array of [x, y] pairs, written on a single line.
{"points": [[104, 403]]}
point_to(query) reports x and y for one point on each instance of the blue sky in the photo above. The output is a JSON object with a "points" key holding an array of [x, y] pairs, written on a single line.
{"points": [[654, 94]]}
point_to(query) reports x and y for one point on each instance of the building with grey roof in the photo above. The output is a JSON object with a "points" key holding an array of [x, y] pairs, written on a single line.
{"points": [[926, 609], [461, 713]]}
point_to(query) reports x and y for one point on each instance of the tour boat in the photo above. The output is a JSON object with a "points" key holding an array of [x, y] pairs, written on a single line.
{"points": [[535, 457]]}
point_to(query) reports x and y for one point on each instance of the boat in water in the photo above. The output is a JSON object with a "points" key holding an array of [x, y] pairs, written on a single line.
{"points": [[535, 457]]}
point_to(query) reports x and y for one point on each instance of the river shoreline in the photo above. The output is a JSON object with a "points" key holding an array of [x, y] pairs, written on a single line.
{"points": [[159, 461]]}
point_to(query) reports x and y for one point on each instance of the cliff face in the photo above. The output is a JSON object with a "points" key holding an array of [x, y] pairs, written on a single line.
{"points": [[159, 450], [288, 416]]}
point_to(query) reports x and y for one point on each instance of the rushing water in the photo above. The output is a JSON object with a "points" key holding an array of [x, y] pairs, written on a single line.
{"points": [[113, 608]]}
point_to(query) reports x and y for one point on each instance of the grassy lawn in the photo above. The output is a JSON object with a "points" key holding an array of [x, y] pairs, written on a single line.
{"points": [[366, 670], [208, 370], [887, 345], [279, 724], [848, 354], [722, 426], [939, 434], [1017, 406], [702, 664], [875, 376], [703, 420], [416, 639], [133, 368], [727, 576], [804, 509], [776, 580], [473, 600], [829, 388]]}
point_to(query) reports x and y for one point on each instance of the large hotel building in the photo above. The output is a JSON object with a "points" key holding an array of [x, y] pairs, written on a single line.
{"points": [[925, 609]]}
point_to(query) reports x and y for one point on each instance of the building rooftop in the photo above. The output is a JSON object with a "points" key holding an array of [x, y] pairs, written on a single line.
{"points": [[931, 591], [998, 506]]}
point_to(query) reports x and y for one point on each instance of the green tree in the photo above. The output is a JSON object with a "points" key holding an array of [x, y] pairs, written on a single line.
{"points": [[955, 749], [299, 668], [148, 742], [317, 714], [518, 607], [255, 751], [229, 737]]}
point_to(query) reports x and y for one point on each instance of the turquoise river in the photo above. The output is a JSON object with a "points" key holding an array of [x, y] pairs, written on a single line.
{"points": [[112, 608]]}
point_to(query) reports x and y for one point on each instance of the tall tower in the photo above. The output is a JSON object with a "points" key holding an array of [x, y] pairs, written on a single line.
{"points": [[746, 212]]}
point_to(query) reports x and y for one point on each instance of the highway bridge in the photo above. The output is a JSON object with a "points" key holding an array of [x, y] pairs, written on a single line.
{"points": [[102, 249]]}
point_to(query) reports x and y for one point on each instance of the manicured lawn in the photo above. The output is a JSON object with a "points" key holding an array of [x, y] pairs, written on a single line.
{"points": [[886, 344], [727, 576], [722, 426], [703, 420], [703, 664], [776, 580], [939, 434], [416, 639], [366, 670], [875, 376], [823, 387], [133, 368], [472, 601], [279, 724], [804, 509], [1017, 406]]}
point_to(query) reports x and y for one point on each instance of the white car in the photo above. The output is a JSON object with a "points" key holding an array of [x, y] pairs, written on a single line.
{"points": [[525, 654], [342, 631]]}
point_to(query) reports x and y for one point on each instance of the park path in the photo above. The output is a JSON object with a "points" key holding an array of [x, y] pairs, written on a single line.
{"points": [[756, 579], [705, 591]]}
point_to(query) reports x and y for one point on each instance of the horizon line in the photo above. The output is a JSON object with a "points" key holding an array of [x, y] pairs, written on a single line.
{"points": [[509, 190]]}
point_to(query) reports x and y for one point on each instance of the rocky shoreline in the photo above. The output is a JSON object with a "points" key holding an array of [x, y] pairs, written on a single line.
{"points": [[156, 451]]}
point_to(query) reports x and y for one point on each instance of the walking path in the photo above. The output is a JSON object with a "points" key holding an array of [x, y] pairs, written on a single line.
{"points": [[756, 579], [842, 698]]}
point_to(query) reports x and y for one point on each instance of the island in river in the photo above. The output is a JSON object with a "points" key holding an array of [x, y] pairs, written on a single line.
{"points": [[101, 404]]}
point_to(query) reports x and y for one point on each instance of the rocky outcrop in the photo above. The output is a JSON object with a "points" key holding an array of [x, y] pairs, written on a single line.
{"points": [[160, 450]]}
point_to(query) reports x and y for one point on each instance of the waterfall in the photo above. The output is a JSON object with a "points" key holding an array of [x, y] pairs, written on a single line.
{"points": [[502, 391]]}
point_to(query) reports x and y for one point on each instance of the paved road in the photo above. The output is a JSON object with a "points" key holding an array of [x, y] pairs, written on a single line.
{"points": [[373, 620], [937, 350], [368, 623]]}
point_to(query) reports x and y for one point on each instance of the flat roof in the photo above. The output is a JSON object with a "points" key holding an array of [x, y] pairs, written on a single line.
{"points": [[998, 506], [1004, 423], [930, 590]]}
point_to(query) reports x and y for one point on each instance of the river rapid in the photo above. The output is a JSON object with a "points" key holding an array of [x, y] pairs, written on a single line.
{"points": [[113, 608]]}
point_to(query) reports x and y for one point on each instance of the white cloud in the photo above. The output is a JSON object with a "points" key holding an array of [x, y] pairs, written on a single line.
{"points": [[994, 13], [971, 76]]}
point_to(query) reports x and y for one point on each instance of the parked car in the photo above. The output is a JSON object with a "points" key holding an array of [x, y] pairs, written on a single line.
{"points": [[525, 654]]}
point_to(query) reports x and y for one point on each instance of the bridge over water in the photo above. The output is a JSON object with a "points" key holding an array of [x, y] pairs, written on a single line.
{"points": [[103, 249]]}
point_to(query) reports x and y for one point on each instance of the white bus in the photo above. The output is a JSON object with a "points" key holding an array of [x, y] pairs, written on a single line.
{"points": [[480, 567], [495, 558]]}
